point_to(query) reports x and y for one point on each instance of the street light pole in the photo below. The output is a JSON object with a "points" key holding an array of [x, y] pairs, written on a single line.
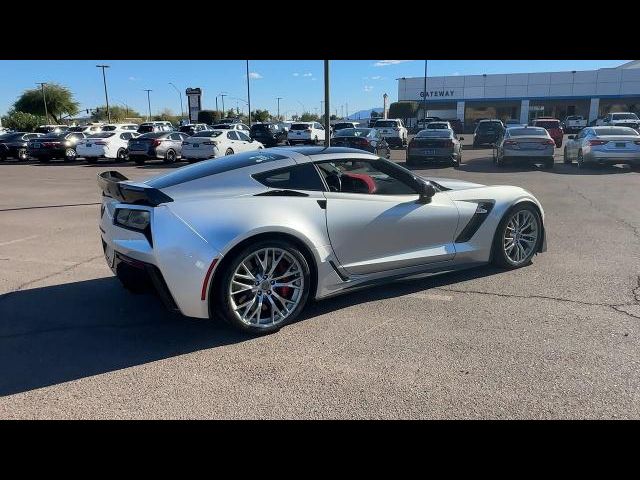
{"points": [[248, 94], [279, 98], [179, 93], [106, 96], [327, 126], [44, 99], [223, 95], [149, 102], [424, 104]]}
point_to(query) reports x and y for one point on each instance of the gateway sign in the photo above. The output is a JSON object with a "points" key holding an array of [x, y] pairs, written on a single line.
{"points": [[438, 93]]}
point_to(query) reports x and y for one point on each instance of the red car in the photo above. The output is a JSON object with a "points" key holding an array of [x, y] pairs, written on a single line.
{"points": [[551, 125]]}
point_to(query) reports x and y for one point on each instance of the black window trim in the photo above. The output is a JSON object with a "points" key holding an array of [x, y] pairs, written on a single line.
{"points": [[276, 171]]}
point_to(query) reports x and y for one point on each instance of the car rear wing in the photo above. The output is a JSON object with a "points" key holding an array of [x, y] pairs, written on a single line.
{"points": [[111, 185]]}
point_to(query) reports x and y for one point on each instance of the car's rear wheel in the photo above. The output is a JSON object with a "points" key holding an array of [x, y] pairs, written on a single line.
{"points": [[264, 287], [565, 157], [517, 237], [229, 152], [121, 156], [580, 159], [22, 154], [170, 156]]}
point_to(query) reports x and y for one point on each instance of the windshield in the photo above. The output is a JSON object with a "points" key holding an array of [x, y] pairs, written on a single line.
{"points": [[624, 116], [489, 125], [527, 132], [603, 132], [353, 132]]}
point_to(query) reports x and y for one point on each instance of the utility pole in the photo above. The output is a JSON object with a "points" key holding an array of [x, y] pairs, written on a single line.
{"points": [[223, 95], [44, 99], [248, 94], [106, 96], [179, 93], [149, 102], [424, 105], [279, 98], [327, 126]]}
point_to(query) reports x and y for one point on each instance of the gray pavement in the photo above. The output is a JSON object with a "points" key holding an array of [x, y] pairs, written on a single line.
{"points": [[557, 339]]}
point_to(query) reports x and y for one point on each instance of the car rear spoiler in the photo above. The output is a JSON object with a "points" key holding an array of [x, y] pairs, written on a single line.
{"points": [[111, 185]]}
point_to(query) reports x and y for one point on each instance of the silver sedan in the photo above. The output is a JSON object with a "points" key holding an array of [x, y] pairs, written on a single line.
{"points": [[528, 144], [603, 146], [251, 237]]}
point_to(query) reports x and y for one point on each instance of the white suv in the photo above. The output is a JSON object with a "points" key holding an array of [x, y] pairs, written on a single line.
{"points": [[393, 131], [305, 132]]}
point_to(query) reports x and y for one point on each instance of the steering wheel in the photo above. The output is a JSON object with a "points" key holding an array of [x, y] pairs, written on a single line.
{"points": [[334, 182]]}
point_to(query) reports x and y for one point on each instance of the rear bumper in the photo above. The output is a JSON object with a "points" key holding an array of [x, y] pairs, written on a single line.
{"points": [[151, 153], [199, 154], [519, 153], [610, 157]]}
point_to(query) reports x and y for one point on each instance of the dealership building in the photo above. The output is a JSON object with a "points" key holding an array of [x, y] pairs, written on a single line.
{"points": [[526, 96]]}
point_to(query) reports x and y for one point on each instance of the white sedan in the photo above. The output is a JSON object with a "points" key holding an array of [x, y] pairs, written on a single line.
{"points": [[217, 143], [111, 144]]}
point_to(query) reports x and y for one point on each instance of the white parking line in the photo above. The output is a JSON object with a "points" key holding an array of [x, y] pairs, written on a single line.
{"points": [[430, 296], [18, 240]]}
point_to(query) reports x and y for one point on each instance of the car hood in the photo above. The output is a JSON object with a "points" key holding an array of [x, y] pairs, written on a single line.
{"points": [[453, 184]]}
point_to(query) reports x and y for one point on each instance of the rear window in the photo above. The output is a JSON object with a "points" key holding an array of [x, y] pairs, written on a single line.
{"points": [[434, 134], [153, 135], [262, 126], [353, 132], [300, 126], [615, 131], [527, 132], [489, 125], [145, 128], [574, 117], [624, 116], [226, 126], [213, 167], [102, 135], [437, 126], [207, 133], [385, 123], [340, 126], [548, 123], [53, 136]]}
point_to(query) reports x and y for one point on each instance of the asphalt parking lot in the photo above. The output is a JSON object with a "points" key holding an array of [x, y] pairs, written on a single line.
{"points": [[557, 339]]}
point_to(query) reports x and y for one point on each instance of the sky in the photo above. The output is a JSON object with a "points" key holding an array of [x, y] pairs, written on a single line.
{"points": [[355, 84]]}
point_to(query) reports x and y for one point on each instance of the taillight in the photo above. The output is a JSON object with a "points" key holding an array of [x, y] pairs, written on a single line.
{"points": [[549, 142], [597, 142], [637, 142], [308, 130], [362, 141], [156, 143], [210, 143], [510, 142], [185, 143], [447, 143]]}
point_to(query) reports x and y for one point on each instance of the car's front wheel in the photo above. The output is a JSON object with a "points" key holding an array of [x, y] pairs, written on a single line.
{"points": [[70, 155], [264, 287], [565, 156], [517, 237], [22, 154]]}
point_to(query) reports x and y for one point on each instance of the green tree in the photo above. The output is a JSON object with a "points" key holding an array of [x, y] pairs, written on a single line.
{"points": [[309, 117], [231, 113], [118, 113], [60, 102], [333, 117], [403, 110], [260, 115], [167, 115], [22, 121], [209, 116]]}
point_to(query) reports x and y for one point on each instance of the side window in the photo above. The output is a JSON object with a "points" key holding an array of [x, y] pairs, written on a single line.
{"points": [[231, 135], [374, 177], [319, 127], [300, 177], [125, 136], [243, 136]]}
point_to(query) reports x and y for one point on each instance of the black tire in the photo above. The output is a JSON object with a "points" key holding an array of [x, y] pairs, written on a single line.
{"points": [[499, 257], [121, 156], [565, 157], [170, 156], [70, 155], [500, 161], [91, 160], [229, 151], [581, 162], [221, 300]]}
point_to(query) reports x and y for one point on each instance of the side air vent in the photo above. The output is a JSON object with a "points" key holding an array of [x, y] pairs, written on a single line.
{"points": [[482, 212]]}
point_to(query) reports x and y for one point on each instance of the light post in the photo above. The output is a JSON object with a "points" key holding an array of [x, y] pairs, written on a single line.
{"points": [[149, 103], [44, 99], [279, 98], [223, 95], [424, 104], [484, 85], [327, 126], [248, 94], [106, 96], [179, 93]]}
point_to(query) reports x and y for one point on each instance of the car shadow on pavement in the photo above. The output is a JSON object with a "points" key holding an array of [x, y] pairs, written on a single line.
{"points": [[60, 333]]}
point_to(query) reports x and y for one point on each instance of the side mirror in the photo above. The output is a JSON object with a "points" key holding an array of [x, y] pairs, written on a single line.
{"points": [[426, 190], [572, 137]]}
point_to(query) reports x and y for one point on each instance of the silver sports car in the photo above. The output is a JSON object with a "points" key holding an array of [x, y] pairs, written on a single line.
{"points": [[251, 237]]}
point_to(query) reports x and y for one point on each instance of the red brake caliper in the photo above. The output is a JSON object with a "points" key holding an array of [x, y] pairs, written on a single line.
{"points": [[282, 291]]}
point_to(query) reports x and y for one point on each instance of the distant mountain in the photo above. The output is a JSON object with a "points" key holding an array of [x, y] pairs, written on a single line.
{"points": [[363, 114]]}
